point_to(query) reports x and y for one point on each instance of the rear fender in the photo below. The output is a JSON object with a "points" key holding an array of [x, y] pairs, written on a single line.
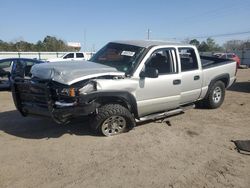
{"points": [[225, 78]]}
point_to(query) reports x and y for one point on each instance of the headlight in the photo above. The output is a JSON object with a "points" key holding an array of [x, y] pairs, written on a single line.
{"points": [[69, 92], [91, 86]]}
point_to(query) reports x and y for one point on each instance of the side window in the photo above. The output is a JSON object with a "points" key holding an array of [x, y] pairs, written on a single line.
{"points": [[27, 67], [163, 60], [5, 64], [79, 55], [69, 56], [188, 59], [5, 69], [29, 63]]}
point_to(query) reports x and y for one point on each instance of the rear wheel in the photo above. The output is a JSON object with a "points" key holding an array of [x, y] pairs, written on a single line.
{"points": [[215, 96], [112, 119]]}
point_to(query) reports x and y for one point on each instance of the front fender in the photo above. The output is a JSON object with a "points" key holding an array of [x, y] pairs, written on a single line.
{"points": [[113, 96]]}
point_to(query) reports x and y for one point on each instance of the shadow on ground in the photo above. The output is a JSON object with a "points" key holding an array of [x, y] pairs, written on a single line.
{"points": [[240, 87], [13, 123]]}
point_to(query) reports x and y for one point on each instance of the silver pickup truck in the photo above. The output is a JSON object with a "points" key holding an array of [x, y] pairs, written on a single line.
{"points": [[124, 83]]}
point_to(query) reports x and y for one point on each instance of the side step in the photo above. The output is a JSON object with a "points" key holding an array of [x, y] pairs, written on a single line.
{"points": [[166, 114]]}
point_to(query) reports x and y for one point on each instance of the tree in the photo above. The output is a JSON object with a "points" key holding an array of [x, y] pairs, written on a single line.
{"points": [[195, 42], [212, 46], [234, 45], [209, 46], [39, 46], [49, 43], [203, 47], [24, 46]]}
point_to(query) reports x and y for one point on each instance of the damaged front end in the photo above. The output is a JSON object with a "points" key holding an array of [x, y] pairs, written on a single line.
{"points": [[58, 101]]}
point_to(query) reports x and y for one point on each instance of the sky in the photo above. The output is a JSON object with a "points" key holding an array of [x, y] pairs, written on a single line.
{"points": [[93, 23]]}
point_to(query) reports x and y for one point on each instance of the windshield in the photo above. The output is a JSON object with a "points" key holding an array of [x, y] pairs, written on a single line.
{"points": [[123, 57]]}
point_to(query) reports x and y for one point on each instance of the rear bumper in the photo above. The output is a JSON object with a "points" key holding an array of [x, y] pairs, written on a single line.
{"points": [[37, 100], [231, 81]]}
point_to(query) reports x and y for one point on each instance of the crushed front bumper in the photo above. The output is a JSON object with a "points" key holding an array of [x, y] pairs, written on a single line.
{"points": [[37, 99]]}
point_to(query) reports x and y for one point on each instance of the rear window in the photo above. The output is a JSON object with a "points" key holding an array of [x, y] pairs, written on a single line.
{"points": [[79, 55], [188, 59]]}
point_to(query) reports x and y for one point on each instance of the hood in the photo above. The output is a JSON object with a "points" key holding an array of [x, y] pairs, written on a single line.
{"points": [[71, 72]]}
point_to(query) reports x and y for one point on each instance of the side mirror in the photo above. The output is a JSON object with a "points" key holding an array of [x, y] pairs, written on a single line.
{"points": [[150, 73]]}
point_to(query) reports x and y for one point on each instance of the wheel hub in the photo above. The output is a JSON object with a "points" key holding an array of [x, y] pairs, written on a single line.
{"points": [[217, 95], [113, 125]]}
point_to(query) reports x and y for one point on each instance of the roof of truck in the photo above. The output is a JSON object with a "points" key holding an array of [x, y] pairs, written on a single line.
{"points": [[149, 43]]}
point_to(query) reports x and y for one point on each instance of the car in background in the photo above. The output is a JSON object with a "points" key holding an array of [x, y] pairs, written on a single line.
{"points": [[232, 56], [71, 56], [15, 67]]}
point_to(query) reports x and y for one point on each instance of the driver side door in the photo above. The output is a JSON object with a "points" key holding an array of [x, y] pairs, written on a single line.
{"points": [[161, 93]]}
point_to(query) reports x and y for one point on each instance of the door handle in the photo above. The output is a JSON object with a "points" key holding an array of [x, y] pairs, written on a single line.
{"points": [[177, 82], [197, 77]]}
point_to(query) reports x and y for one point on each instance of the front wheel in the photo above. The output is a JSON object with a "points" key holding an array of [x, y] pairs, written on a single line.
{"points": [[215, 96], [112, 119]]}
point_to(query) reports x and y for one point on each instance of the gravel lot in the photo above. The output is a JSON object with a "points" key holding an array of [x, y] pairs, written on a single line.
{"points": [[194, 151]]}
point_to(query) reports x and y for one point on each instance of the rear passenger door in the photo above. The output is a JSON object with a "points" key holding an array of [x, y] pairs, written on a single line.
{"points": [[191, 75]]}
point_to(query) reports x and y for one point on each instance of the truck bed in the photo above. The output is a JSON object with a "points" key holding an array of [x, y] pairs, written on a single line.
{"points": [[209, 61]]}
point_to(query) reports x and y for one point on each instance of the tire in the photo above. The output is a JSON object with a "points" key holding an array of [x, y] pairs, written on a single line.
{"points": [[215, 96], [112, 119]]}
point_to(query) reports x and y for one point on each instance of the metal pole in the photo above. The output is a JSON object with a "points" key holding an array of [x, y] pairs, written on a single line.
{"points": [[84, 40]]}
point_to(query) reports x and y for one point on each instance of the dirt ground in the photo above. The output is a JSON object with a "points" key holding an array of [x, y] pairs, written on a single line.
{"points": [[195, 151]]}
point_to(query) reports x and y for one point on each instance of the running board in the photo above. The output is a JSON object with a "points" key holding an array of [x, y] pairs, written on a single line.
{"points": [[166, 114]]}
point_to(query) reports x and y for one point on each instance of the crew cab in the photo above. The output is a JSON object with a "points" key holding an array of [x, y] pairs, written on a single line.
{"points": [[71, 56], [125, 82]]}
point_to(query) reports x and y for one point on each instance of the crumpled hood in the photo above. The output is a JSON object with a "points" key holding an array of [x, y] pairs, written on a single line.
{"points": [[71, 72]]}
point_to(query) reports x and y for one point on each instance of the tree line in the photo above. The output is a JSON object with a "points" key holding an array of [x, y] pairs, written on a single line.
{"points": [[48, 44], [209, 45], [53, 44]]}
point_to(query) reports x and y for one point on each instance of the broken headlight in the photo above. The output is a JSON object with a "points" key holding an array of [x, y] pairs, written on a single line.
{"points": [[91, 86], [71, 92]]}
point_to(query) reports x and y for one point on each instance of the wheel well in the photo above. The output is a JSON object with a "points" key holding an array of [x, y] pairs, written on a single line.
{"points": [[224, 78], [113, 100], [116, 100], [225, 81]]}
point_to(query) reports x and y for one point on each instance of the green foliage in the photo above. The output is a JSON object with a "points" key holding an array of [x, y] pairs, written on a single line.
{"points": [[206, 46], [203, 47], [51, 44], [195, 42]]}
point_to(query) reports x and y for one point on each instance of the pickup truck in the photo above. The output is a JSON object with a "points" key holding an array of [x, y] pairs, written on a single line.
{"points": [[71, 56], [124, 83]]}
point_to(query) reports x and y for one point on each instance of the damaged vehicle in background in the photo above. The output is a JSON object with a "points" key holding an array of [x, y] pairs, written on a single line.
{"points": [[125, 82], [14, 67], [231, 56]]}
